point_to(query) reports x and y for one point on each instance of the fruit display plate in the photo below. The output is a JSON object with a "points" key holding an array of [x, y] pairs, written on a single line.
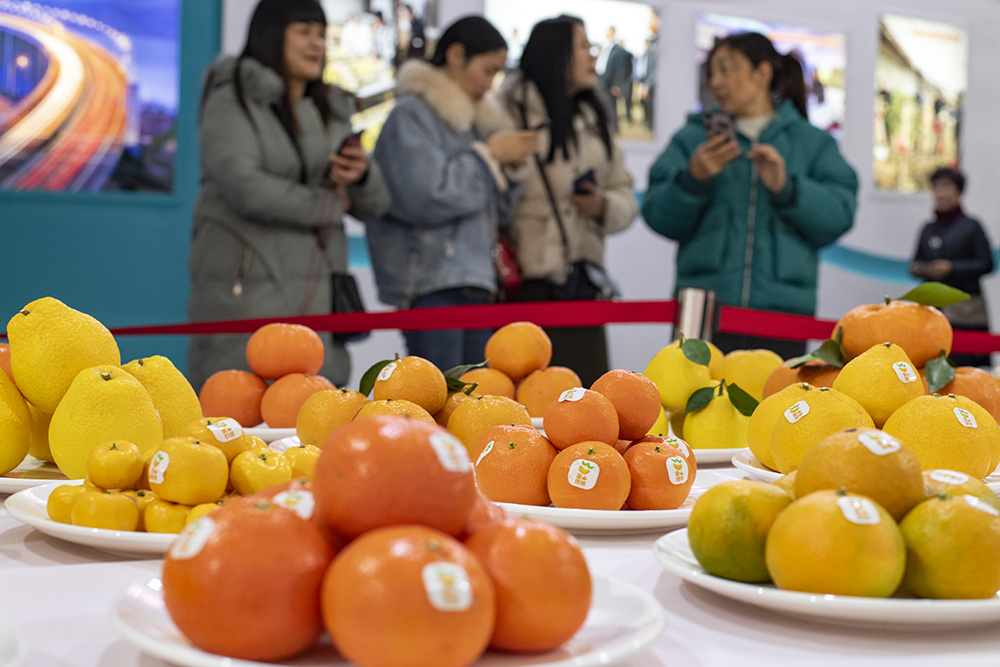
{"points": [[622, 621], [749, 464], [29, 507], [674, 553], [602, 522], [13, 648], [269, 435], [31, 473], [716, 456]]}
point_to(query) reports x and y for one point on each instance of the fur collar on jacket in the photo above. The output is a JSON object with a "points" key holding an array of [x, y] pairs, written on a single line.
{"points": [[262, 85], [421, 79]]}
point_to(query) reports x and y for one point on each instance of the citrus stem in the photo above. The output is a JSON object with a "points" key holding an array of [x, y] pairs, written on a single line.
{"points": [[106, 376]]}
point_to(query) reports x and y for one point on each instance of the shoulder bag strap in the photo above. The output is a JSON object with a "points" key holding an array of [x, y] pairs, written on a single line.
{"points": [[545, 179]]}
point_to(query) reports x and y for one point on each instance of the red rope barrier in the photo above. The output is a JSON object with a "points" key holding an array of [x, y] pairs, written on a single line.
{"points": [[733, 320]]}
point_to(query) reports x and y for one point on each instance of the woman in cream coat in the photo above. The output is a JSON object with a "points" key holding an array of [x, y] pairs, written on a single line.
{"points": [[555, 84]]}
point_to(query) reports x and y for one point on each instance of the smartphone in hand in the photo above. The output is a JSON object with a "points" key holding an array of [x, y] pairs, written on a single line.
{"points": [[719, 122], [352, 141], [578, 184]]}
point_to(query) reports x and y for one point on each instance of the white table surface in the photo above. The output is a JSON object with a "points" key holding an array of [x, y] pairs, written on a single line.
{"points": [[58, 595]]}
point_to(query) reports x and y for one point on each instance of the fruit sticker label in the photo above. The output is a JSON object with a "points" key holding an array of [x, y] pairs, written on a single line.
{"points": [[981, 505], [158, 467], [879, 443], [225, 430], [283, 445], [905, 372], [447, 586], [574, 394], [487, 450], [386, 372], [949, 477], [192, 539], [300, 502], [797, 412], [965, 418], [679, 445], [452, 454], [677, 470], [583, 474], [859, 510]]}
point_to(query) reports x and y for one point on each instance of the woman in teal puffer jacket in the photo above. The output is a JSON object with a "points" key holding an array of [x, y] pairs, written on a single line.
{"points": [[751, 214]]}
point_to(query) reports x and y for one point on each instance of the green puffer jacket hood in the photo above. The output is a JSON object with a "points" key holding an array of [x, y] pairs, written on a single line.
{"points": [[753, 248]]}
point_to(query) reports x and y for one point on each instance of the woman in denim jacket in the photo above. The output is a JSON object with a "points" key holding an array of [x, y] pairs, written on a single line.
{"points": [[442, 159]]}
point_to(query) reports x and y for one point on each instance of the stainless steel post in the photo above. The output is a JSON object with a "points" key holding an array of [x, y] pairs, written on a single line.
{"points": [[695, 314]]}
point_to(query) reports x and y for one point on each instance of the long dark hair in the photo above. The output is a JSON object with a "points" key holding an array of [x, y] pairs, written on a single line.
{"points": [[546, 60], [266, 44], [788, 81], [474, 33]]}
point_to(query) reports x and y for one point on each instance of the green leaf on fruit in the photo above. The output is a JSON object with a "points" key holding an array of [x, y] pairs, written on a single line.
{"points": [[459, 371], [829, 352], [940, 372], [934, 294], [454, 384], [741, 400], [696, 351], [699, 399], [368, 379]]}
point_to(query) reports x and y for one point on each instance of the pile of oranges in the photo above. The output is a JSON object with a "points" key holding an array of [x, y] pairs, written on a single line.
{"points": [[391, 550], [595, 453], [287, 355], [176, 483]]}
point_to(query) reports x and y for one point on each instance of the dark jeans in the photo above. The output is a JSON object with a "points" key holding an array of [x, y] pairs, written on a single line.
{"points": [[786, 349], [452, 347], [581, 349]]}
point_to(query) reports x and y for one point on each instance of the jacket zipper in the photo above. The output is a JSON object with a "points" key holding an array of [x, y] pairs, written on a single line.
{"points": [[751, 224], [242, 272]]}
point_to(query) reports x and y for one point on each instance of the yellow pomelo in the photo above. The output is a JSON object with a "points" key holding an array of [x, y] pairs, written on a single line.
{"points": [[803, 424], [945, 433], [881, 379], [749, 369], [768, 412], [676, 376], [867, 462], [713, 364], [40, 434], [15, 426], [787, 483], [952, 548], [662, 424], [50, 343], [728, 528], [103, 403], [718, 425], [954, 483], [836, 543], [172, 394]]}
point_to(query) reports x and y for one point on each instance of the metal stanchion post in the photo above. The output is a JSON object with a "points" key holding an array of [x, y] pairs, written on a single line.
{"points": [[696, 314]]}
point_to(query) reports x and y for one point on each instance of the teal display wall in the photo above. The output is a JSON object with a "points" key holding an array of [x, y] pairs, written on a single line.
{"points": [[119, 257]]}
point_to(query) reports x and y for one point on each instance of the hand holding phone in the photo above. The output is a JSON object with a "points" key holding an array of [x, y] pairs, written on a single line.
{"points": [[718, 123], [353, 141], [579, 185]]}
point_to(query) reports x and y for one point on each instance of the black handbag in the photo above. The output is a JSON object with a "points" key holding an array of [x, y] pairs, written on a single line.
{"points": [[346, 298]]}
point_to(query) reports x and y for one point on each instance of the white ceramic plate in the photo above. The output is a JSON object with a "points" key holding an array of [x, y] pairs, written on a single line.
{"points": [[29, 507], [674, 553], [13, 648], [596, 522], [713, 456], [749, 464], [31, 473], [622, 621], [269, 435]]}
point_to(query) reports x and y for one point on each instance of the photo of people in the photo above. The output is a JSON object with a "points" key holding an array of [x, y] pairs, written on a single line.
{"points": [[920, 82], [823, 56], [88, 95], [625, 39]]}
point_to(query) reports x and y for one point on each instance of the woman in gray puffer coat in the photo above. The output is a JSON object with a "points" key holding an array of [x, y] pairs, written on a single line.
{"points": [[268, 226]]}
